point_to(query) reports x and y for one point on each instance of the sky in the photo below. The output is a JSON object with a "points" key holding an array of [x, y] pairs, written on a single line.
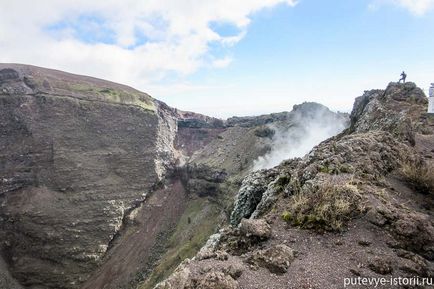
{"points": [[223, 57]]}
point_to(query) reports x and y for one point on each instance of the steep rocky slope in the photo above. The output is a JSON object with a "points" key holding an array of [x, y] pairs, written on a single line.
{"points": [[77, 154], [358, 205], [102, 186]]}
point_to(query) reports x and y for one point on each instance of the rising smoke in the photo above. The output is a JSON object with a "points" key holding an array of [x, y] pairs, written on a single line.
{"points": [[307, 125]]}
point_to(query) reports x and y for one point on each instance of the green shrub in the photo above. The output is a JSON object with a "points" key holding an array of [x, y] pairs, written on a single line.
{"points": [[286, 216]]}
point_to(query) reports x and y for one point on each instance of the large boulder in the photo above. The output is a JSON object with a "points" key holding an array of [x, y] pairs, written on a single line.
{"points": [[276, 258], [250, 194], [255, 228], [186, 278], [217, 280]]}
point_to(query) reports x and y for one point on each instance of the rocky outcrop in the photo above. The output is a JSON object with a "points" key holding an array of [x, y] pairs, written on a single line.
{"points": [[207, 278], [250, 194], [347, 193], [77, 155], [371, 148], [202, 180], [256, 228], [251, 121], [377, 110], [276, 258], [308, 109]]}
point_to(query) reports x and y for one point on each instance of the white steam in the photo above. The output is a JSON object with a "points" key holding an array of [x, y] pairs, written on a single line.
{"points": [[297, 136]]}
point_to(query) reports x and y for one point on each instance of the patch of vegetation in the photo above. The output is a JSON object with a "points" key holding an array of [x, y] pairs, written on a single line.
{"points": [[334, 169], [325, 169], [286, 216], [192, 231], [81, 87], [328, 207], [114, 95], [419, 175], [281, 182], [382, 195]]}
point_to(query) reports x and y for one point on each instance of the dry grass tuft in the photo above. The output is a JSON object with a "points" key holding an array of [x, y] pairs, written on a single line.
{"points": [[329, 207], [419, 175]]}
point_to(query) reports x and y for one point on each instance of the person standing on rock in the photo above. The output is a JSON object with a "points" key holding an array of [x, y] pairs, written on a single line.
{"points": [[403, 77]]}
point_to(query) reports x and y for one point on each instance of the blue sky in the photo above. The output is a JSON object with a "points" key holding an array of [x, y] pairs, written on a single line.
{"points": [[224, 59], [324, 47]]}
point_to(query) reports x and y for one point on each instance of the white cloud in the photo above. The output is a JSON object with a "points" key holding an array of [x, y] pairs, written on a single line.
{"points": [[222, 62], [417, 7], [177, 35]]}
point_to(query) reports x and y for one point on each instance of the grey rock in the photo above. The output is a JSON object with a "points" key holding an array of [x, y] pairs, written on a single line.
{"points": [[276, 259], [73, 167], [217, 280], [250, 194], [255, 227], [381, 265]]}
